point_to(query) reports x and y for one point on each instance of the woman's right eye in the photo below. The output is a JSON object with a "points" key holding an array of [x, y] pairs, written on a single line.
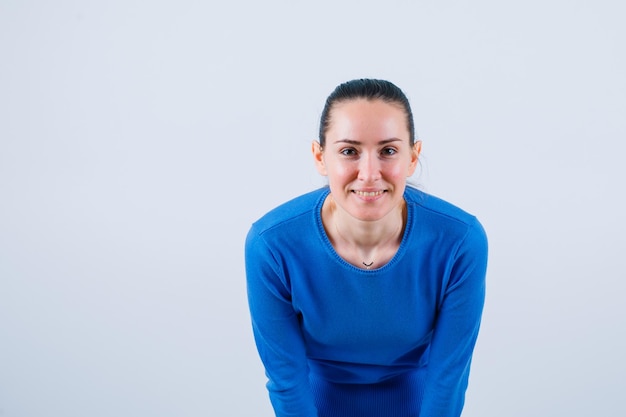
{"points": [[348, 152]]}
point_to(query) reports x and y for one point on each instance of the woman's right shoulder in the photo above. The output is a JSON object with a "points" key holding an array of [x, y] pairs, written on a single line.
{"points": [[299, 208]]}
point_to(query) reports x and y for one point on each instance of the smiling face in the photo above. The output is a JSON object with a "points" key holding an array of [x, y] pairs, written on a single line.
{"points": [[367, 157]]}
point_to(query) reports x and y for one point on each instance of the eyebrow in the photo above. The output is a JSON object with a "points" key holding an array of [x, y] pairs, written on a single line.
{"points": [[356, 142]]}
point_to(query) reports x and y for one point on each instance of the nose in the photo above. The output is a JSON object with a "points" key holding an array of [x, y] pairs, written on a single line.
{"points": [[369, 168]]}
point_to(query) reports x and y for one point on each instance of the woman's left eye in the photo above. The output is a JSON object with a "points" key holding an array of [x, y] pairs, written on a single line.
{"points": [[388, 151]]}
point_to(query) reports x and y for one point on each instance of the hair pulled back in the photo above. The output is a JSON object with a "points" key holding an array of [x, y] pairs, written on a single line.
{"points": [[368, 89]]}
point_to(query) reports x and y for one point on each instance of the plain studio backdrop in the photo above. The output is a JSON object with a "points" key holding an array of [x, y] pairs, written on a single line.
{"points": [[139, 141]]}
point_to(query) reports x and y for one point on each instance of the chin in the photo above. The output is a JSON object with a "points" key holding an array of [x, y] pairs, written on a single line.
{"points": [[369, 215]]}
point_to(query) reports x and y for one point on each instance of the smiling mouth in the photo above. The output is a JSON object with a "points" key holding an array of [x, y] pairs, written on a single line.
{"points": [[368, 193]]}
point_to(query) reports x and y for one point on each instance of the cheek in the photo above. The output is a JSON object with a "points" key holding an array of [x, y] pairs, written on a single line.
{"points": [[340, 172], [397, 172]]}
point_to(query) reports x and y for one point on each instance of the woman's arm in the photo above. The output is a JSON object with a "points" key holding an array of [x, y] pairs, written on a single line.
{"points": [[277, 331], [456, 327]]}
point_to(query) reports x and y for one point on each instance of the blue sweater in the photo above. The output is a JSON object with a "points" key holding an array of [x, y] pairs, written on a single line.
{"points": [[339, 341]]}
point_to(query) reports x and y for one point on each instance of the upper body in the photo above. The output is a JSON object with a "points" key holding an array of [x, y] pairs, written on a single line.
{"points": [[366, 280], [314, 312]]}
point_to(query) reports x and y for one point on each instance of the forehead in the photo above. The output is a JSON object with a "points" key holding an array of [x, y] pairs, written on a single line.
{"points": [[362, 116]]}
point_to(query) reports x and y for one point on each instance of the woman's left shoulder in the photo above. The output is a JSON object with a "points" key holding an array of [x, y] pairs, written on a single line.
{"points": [[440, 210]]}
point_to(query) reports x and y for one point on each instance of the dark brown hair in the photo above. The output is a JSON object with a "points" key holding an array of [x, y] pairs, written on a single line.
{"points": [[369, 89]]}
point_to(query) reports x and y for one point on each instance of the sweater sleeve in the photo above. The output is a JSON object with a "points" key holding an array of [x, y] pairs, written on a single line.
{"points": [[456, 327], [277, 331]]}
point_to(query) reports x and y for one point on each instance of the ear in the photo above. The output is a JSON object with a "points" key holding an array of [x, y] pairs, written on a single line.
{"points": [[415, 154], [318, 157]]}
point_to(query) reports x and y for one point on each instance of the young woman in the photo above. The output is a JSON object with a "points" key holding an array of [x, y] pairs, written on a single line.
{"points": [[366, 296]]}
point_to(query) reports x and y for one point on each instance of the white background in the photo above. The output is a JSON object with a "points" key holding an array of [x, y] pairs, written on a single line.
{"points": [[139, 140]]}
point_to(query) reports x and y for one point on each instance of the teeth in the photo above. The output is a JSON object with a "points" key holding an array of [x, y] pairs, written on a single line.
{"points": [[368, 194]]}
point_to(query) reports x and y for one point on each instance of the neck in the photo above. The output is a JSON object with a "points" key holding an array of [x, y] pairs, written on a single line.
{"points": [[365, 240]]}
